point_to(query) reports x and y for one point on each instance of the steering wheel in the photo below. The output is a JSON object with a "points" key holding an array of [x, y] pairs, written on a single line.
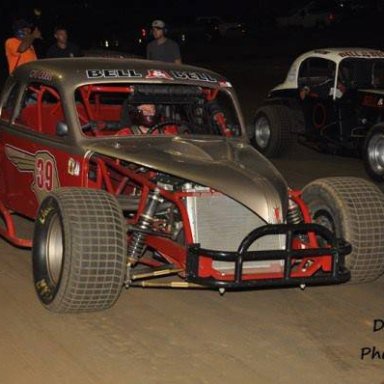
{"points": [[89, 125], [124, 132], [93, 126], [159, 126]]}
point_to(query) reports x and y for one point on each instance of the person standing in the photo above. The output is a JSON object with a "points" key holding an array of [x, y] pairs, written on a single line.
{"points": [[162, 48], [62, 47], [19, 48]]}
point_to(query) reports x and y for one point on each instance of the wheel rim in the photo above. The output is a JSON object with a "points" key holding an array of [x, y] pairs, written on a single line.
{"points": [[262, 132], [55, 249], [376, 153], [325, 219]]}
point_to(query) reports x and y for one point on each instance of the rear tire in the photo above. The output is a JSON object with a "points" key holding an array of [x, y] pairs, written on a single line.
{"points": [[79, 250], [354, 209], [373, 153], [272, 130]]}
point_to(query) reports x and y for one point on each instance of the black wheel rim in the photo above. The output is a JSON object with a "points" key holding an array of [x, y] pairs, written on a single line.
{"points": [[262, 132]]}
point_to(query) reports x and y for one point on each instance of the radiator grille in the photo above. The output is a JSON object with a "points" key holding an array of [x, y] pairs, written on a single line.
{"points": [[221, 223]]}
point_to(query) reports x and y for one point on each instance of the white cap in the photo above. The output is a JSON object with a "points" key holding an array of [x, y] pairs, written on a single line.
{"points": [[158, 24]]}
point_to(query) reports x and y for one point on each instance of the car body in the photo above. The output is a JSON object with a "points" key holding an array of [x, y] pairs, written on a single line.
{"points": [[311, 15], [218, 27], [131, 164], [334, 98], [356, 6]]}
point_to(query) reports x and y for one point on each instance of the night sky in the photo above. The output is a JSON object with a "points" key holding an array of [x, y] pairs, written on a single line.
{"points": [[129, 11], [90, 22]]}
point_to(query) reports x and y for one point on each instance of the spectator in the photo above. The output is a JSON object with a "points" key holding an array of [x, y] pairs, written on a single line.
{"points": [[162, 48], [19, 49], [62, 47]]}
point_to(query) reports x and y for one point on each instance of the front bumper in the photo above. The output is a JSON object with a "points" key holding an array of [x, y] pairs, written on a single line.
{"points": [[327, 263]]}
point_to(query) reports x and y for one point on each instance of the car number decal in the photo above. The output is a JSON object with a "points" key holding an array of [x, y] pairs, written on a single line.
{"points": [[43, 166]]}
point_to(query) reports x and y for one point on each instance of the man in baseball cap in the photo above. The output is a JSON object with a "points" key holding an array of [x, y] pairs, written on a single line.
{"points": [[162, 48], [158, 24]]}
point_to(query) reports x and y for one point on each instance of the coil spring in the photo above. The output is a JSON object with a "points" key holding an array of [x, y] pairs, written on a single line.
{"points": [[137, 243], [294, 214]]}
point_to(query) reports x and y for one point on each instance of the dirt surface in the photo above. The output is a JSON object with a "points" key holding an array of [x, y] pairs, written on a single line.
{"points": [[164, 336]]}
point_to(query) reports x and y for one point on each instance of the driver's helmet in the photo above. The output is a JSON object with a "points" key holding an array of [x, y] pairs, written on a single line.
{"points": [[147, 115]]}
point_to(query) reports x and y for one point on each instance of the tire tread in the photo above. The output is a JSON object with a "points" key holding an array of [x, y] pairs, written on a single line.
{"points": [[96, 271], [360, 205]]}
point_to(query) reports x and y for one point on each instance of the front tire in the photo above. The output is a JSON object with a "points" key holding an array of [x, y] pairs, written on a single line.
{"points": [[373, 153], [79, 250], [354, 209], [272, 130]]}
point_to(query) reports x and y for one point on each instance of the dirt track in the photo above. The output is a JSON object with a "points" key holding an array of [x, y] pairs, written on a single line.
{"points": [[163, 336]]}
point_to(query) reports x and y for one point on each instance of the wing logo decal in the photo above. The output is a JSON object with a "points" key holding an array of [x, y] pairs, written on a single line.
{"points": [[42, 164]]}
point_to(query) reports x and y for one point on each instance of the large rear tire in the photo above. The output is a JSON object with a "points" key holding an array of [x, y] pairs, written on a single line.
{"points": [[79, 250], [354, 209], [272, 130], [373, 153]]}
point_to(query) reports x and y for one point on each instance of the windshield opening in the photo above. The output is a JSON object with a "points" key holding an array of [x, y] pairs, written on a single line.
{"points": [[362, 73], [155, 109]]}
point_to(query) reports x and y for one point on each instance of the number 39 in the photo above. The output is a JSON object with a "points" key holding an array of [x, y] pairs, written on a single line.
{"points": [[44, 174]]}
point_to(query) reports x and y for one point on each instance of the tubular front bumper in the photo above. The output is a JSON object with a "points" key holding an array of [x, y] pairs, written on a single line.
{"points": [[292, 275]]}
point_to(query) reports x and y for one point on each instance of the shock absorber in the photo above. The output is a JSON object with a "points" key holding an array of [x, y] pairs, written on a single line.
{"points": [[294, 215], [137, 242]]}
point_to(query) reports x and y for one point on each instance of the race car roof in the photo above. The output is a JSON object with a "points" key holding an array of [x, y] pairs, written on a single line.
{"points": [[77, 71], [333, 54], [338, 54]]}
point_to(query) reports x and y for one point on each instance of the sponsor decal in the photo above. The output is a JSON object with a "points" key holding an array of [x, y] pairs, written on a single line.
{"points": [[112, 73], [369, 54], [157, 74], [43, 214], [40, 75], [151, 74], [43, 166], [73, 167], [44, 289], [198, 76]]}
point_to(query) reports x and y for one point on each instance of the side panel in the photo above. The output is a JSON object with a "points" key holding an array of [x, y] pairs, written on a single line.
{"points": [[317, 114], [33, 167], [2, 165]]}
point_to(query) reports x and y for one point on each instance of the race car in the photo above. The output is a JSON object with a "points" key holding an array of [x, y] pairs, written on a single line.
{"points": [[333, 99], [140, 174]]}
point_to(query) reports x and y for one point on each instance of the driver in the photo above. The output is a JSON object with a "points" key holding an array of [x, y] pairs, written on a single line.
{"points": [[146, 117], [138, 120], [149, 119]]}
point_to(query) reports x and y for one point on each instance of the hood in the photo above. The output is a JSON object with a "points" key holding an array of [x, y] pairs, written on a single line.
{"points": [[230, 166]]}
